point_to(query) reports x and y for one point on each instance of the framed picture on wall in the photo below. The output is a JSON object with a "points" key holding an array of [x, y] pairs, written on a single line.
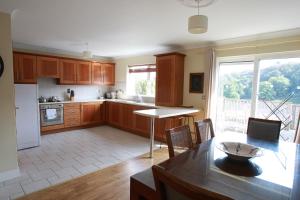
{"points": [[196, 82]]}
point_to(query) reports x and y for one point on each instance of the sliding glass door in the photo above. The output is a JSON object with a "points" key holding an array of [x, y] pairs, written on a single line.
{"points": [[234, 95], [262, 88]]}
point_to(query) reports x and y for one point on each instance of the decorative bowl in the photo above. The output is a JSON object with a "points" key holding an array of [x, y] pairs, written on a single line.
{"points": [[240, 151]]}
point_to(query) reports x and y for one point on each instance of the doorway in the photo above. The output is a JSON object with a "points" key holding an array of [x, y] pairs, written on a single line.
{"points": [[262, 87]]}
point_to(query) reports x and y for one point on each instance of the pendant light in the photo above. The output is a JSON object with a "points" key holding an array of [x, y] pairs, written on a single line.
{"points": [[87, 54], [198, 23]]}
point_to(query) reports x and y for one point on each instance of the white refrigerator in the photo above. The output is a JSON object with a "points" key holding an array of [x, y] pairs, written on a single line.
{"points": [[27, 116]]}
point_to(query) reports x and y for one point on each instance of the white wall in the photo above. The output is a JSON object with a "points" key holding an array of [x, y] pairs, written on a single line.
{"points": [[48, 87], [195, 61], [8, 144]]}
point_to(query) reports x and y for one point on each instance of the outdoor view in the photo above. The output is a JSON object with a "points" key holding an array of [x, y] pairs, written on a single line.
{"points": [[141, 81], [278, 94]]}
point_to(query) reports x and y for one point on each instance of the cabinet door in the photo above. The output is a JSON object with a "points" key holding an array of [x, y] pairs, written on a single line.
{"points": [[97, 77], [164, 80], [92, 113], [16, 67], [84, 73], [99, 112], [108, 73], [87, 113], [27, 69], [141, 123], [47, 67], [114, 115], [71, 114], [128, 116], [67, 71]]}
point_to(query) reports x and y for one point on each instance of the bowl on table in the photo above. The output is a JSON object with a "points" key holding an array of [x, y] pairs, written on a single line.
{"points": [[239, 151]]}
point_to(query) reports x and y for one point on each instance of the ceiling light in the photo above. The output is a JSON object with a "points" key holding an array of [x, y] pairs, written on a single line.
{"points": [[197, 23], [87, 53]]}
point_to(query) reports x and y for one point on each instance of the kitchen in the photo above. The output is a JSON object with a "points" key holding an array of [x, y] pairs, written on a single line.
{"points": [[51, 105], [90, 92]]}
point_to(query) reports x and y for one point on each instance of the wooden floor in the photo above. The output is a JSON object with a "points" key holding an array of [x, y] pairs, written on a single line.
{"points": [[110, 183]]}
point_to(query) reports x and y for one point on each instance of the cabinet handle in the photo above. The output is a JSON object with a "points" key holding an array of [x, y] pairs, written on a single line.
{"points": [[17, 108]]}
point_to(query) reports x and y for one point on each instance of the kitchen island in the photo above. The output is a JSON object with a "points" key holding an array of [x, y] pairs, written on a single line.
{"points": [[160, 113]]}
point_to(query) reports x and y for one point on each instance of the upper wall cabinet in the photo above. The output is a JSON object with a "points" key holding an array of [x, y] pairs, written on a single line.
{"points": [[27, 67], [84, 73], [108, 73], [97, 77], [169, 79], [24, 68], [47, 67], [68, 71]]}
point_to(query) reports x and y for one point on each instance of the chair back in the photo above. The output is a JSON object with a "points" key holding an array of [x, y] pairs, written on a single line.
{"points": [[204, 130], [169, 187], [264, 129], [179, 138]]}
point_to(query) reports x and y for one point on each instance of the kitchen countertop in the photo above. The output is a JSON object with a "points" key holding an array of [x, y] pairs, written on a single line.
{"points": [[166, 112], [102, 100], [151, 105]]}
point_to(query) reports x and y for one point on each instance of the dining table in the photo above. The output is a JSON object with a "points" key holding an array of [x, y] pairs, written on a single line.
{"points": [[275, 175]]}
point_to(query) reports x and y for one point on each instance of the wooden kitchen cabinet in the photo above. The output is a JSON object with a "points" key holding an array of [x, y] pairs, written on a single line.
{"points": [[71, 115], [161, 125], [169, 79], [68, 70], [92, 113], [24, 68], [84, 73], [108, 73], [97, 77], [114, 113], [128, 116], [142, 123], [48, 67]]}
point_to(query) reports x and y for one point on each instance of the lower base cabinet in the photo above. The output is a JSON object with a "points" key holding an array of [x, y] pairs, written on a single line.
{"points": [[119, 115], [71, 115], [92, 113]]}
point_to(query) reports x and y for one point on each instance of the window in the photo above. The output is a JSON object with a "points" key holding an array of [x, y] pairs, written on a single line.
{"points": [[141, 80], [264, 87]]}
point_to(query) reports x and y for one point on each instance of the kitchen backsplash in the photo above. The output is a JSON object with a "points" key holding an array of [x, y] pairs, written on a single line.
{"points": [[48, 87]]}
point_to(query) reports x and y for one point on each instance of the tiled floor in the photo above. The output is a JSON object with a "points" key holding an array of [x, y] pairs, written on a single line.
{"points": [[67, 155]]}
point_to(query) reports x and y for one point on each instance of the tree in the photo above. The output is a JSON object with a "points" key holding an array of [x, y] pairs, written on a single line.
{"points": [[266, 91], [280, 85], [141, 87]]}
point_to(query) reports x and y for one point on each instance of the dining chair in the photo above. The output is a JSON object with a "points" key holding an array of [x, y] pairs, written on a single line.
{"points": [[264, 129], [169, 187], [204, 130], [179, 139]]}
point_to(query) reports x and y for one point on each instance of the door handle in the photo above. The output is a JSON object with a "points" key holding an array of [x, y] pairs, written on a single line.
{"points": [[17, 108]]}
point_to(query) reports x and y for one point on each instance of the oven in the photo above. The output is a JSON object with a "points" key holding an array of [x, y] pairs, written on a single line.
{"points": [[52, 114]]}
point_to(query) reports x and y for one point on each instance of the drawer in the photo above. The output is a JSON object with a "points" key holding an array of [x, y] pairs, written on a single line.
{"points": [[71, 106], [72, 112], [71, 122]]}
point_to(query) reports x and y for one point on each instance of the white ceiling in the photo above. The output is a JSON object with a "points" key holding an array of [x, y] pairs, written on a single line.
{"points": [[115, 28]]}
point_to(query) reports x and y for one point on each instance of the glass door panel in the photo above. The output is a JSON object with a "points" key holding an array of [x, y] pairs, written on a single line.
{"points": [[234, 96], [278, 94]]}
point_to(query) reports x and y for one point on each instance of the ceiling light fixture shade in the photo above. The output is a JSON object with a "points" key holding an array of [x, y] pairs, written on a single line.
{"points": [[87, 54], [198, 24]]}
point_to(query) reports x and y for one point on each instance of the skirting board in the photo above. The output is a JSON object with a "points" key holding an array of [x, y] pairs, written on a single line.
{"points": [[9, 174]]}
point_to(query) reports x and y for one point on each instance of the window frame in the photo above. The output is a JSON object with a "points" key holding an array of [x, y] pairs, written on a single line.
{"points": [[139, 71]]}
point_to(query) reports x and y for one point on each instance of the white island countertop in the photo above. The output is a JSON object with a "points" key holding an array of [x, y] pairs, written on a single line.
{"points": [[166, 112]]}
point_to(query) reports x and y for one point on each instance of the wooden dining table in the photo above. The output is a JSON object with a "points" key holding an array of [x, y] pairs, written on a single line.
{"points": [[275, 175]]}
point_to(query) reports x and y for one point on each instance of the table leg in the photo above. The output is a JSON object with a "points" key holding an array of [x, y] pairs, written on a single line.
{"points": [[152, 120]]}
